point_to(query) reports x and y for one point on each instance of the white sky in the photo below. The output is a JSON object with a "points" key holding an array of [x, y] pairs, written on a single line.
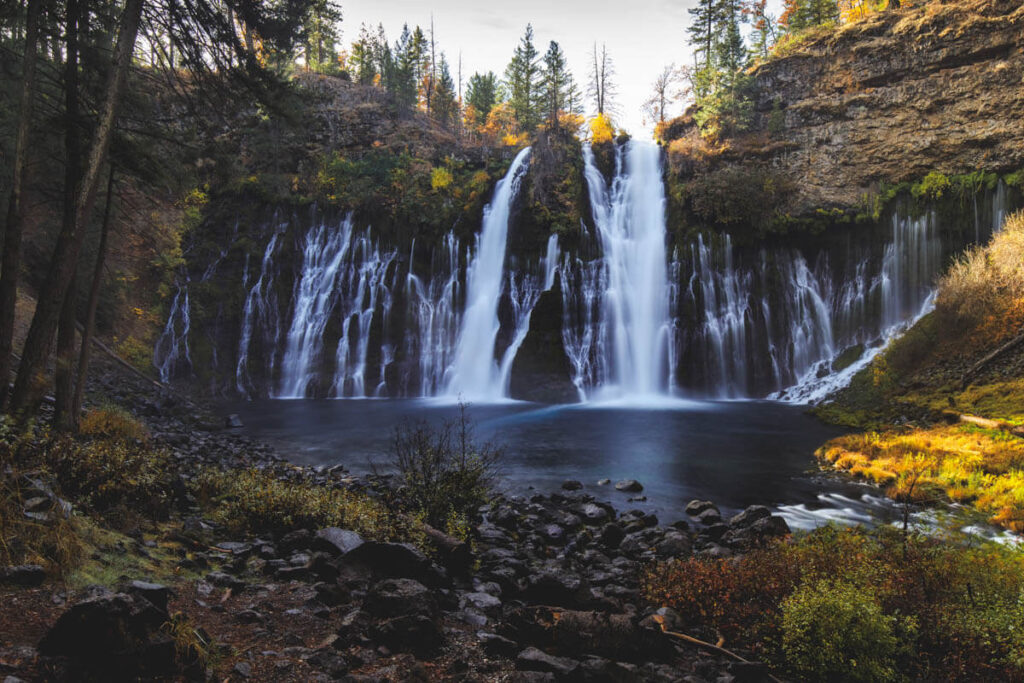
{"points": [[642, 36]]}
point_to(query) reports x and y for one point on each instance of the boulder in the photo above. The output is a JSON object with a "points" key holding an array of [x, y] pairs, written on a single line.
{"points": [[532, 659], [695, 507], [24, 575], [396, 597], [117, 636], [395, 560], [629, 486], [335, 541], [749, 516]]}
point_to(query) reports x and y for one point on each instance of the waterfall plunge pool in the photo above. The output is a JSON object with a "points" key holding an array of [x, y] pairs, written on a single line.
{"points": [[735, 453]]}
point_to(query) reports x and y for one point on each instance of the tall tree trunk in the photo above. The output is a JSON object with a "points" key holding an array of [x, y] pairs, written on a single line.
{"points": [[15, 216], [72, 172], [94, 297], [65, 256]]}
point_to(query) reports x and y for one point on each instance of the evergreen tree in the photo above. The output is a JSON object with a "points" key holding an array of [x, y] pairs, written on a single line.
{"points": [[421, 64], [322, 35], [522, 77], [799, 15], [405, 65], [703, 23], [731, 52], [556, 83], [362, 61], [481, 96], [445, 105]]}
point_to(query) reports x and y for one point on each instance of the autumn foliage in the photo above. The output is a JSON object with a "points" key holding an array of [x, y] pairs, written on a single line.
{"points": [[928, 610]]}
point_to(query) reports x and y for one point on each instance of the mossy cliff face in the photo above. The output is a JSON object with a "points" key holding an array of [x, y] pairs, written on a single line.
{"points": [[884, 100]]}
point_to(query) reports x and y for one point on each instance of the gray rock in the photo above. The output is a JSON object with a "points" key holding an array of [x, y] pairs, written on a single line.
{"points": [[25, 575], [242, 669], [396, 597], [497, 646], [532, 659], [335, 541], [232, 421], [572, 485], [484, 603], [709, 517], [629, 486], [695, 507], [749, 516], [673, 545]]}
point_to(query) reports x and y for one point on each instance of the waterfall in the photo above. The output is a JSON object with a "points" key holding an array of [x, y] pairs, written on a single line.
{"points": [[902, 291], [525, 289], [363, 284], [324, 250], [260, 312], [474, 373], [172, 349], [618, 332], [432, 316]]}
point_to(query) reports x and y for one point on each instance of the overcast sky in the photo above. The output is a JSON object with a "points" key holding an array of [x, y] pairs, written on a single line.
{"points": [[642, 36]]}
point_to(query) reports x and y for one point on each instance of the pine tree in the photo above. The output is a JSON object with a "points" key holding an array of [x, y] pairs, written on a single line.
{"points": [[703, 22], [322, 35], [481, 96], [362, 62], [556, 82], [799, 15], [731, 52], [445, 108], [522, 77], [405, 64]]}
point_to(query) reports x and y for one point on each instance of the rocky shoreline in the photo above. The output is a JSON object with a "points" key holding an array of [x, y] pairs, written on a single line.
{"points": [[548, 587]]}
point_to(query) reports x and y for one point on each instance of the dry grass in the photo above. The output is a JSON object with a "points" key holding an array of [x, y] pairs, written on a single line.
{"points": [[113, 422], [967, 464], [986, 284]]}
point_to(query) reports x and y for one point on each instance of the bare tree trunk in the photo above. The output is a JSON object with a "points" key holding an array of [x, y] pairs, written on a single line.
{"points": [[72, 172], [94, 297], [15, 211], [65, 256]]}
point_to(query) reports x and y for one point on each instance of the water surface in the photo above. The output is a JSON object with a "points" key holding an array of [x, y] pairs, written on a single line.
{"points": [[734, 453]]}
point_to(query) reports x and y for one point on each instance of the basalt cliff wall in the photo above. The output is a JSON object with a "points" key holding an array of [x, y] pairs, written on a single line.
{"points": [[885, 100]]}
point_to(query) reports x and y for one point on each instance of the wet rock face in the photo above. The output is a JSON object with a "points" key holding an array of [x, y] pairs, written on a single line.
{"points": [[889, 98]]}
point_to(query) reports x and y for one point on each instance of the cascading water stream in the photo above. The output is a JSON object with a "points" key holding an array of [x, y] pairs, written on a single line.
{"points": [[324, 251], [626, 353], [524, 292], [474, 374]]}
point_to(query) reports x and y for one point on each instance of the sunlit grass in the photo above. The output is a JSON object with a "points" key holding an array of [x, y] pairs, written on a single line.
{"points": [[966, 463]]}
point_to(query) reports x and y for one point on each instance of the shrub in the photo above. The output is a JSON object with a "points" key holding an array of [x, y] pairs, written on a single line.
{"points": [[115, 479], [440, 178], [932, 187], [986, 282], [53, 542], [445, 473], [727, 598], [112, 422], [919, 607], [254, 501], [601, 129], [834, 631]]}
